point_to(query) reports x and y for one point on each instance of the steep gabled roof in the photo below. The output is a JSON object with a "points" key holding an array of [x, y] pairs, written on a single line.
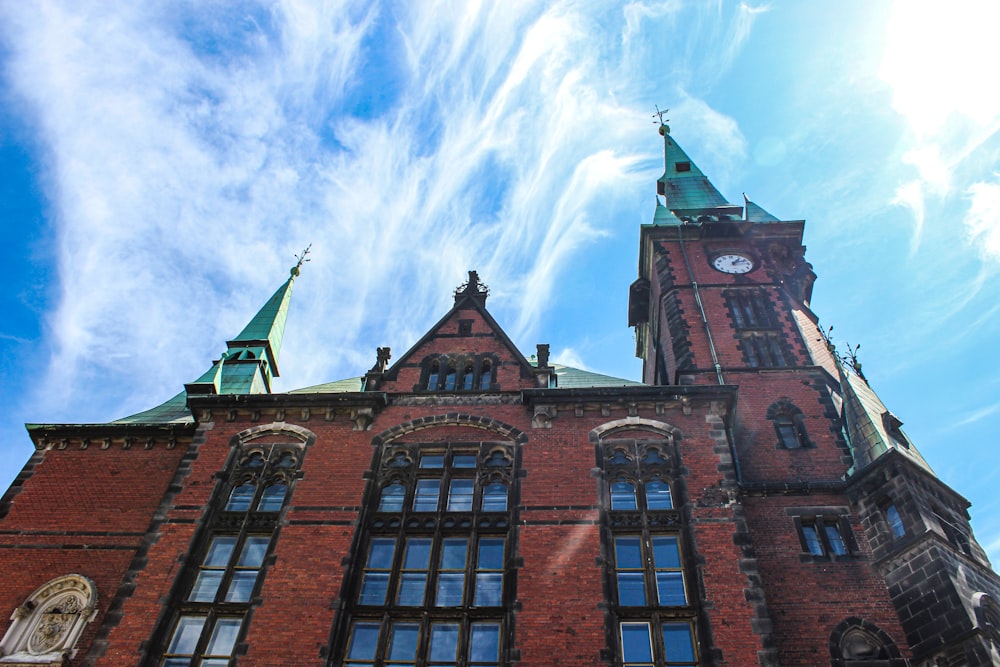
{"points": [[471, 296], [872, 430]]}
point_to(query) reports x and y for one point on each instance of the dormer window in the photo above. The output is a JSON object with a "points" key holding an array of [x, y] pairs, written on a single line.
{"points": [[893, 426], [682, 166]]}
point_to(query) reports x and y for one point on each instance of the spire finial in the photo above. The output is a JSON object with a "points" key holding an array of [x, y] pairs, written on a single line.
{"points": [[664, 128], [301, 259], [473, 288]]}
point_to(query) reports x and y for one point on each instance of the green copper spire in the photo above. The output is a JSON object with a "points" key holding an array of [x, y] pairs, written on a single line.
{"points": [[246, 367], [755, 213], [250, 362], [688, 192]]}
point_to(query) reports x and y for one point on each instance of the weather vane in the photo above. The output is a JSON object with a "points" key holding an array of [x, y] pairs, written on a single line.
{"points": [[660, 114], [301, 259]]}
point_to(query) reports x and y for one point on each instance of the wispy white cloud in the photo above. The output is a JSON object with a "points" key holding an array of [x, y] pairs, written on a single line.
{"points": [[911, 195], [196, 148], [978, 415], [982, 221]]}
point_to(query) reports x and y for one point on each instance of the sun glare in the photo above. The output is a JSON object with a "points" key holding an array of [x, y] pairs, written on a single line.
{"points": [[937, 61]]}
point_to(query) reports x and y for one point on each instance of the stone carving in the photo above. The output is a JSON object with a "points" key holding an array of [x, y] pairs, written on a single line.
{"points": [[46, 627]]}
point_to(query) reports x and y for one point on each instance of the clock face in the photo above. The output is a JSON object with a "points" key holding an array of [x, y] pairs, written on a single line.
{"points": [[733, 263]]}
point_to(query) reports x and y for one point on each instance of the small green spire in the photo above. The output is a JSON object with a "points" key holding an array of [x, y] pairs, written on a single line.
{"points": [[251, 361]]}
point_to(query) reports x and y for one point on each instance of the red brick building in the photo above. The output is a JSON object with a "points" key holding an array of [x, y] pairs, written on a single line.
{"points": [[751, 502]]}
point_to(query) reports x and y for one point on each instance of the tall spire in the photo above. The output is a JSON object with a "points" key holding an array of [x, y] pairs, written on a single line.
{"points": [[687, 191], [250, 362]]}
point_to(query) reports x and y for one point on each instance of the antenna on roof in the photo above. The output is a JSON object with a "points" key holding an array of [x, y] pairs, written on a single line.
{"points": [[301, 259]]}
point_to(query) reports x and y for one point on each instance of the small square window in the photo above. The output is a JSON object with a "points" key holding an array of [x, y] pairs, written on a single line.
{"points": [[682, 166]]}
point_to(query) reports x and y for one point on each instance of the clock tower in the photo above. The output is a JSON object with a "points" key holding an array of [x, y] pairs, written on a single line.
{"points": [[820, 471]]}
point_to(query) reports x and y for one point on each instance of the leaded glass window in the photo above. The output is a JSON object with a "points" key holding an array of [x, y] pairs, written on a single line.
{"points": [[433, 587]]}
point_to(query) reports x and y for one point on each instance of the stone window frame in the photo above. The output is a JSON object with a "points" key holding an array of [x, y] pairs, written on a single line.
{"points": [[819, 519], [399, 462], [784, 413], [270, 444], [858, 642], [629, 458], [467, 373], [895, 527], [47, 625], [751, 309]]}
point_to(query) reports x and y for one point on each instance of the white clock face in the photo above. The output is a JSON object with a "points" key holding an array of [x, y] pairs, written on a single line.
{"points": [[733, 263]]}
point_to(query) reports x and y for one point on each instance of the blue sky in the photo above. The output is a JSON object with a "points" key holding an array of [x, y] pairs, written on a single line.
{"points": [[160, 165]]}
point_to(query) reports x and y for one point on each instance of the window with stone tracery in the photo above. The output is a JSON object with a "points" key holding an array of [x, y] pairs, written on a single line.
{"points": [[432, 584], [46, 627], [228, 567], [644, 547]]}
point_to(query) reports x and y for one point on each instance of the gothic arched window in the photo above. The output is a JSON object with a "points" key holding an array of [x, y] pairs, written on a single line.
{"points": [[789, 424], [856, 641], [432, 585], [653, 615]]}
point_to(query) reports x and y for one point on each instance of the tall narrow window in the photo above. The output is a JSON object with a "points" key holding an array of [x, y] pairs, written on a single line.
{"points": [[450, 379], [658, 495], [650, 605], [208, 618], [468, 377], [486, 376], [895, 522], [433, 588], [432, 375]]}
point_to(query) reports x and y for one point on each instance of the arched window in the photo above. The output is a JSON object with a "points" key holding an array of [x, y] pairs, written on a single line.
{"points": [[450, 379], [468, 377], [658, 495], [241, 497], [273, 497], [486, 376], [789, 424], [622, 495], [392, 497], [47, 626], [254, 461], [432, 375], [856, 641], [619, 458], [653, 457], [433, 582], [895, 521]]}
